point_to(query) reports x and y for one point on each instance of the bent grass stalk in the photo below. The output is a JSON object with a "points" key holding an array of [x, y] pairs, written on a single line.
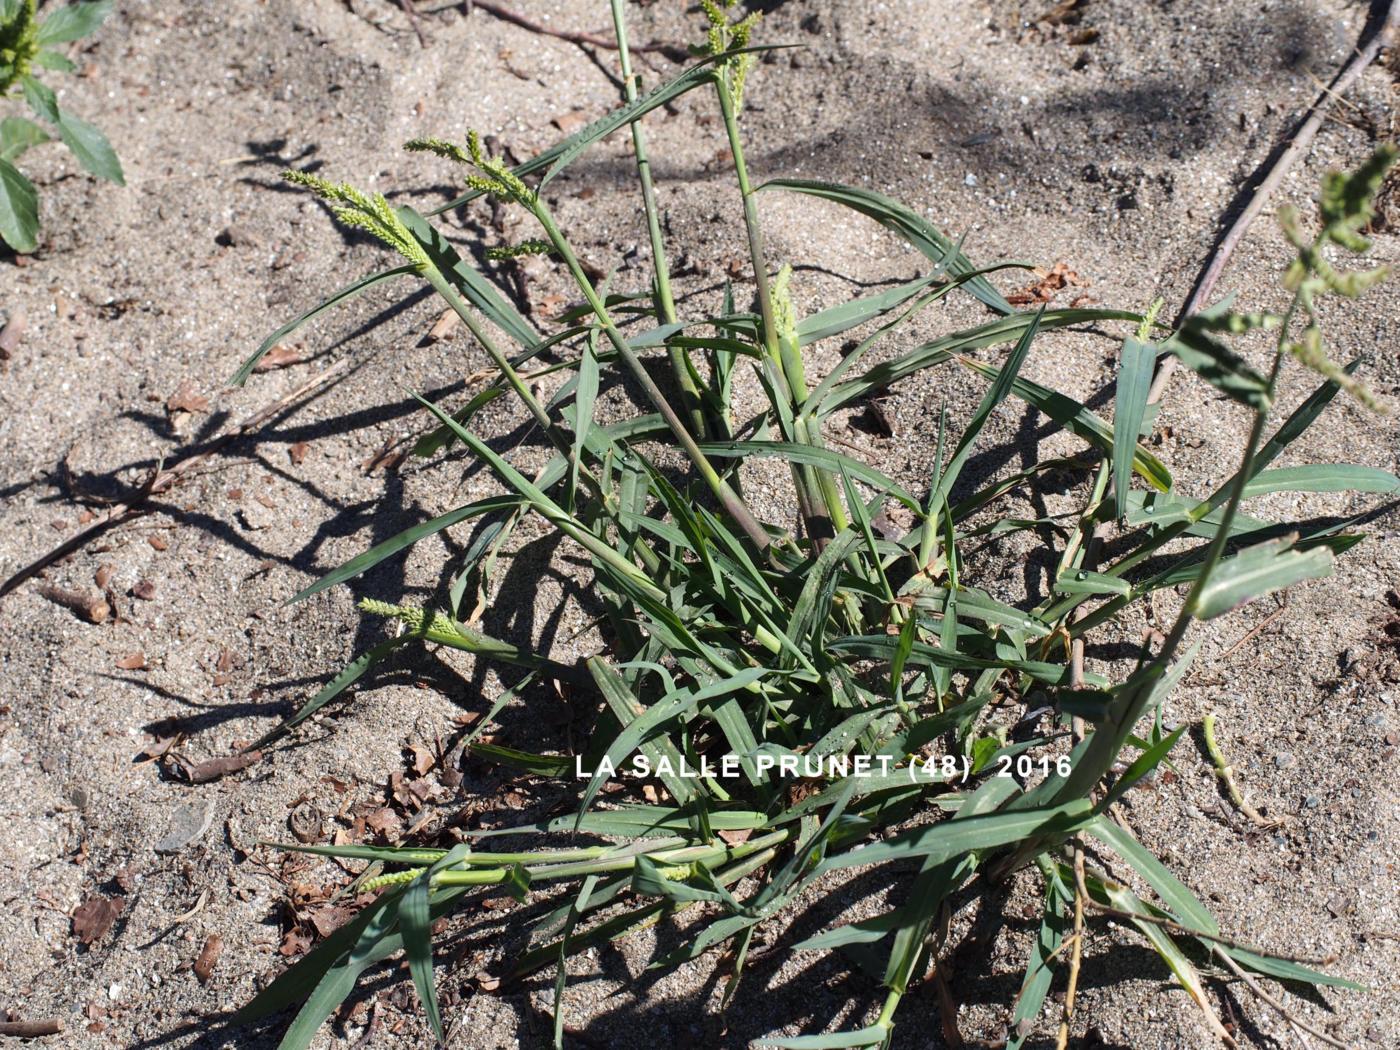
{"points": [[732, 637]]}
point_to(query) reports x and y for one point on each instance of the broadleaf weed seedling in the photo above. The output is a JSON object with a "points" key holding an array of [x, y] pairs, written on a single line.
{"points": [[871, 661], [28, 43]]}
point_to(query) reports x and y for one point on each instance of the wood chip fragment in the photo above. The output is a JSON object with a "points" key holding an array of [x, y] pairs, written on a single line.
{"points": [[216, 768], [187, 399], [280, 356], [444, 327], [95, 916], [12, 333], [86, 603], [132, 662], [208, 957]]}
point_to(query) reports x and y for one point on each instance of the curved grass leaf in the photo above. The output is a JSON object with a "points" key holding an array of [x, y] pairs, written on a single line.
{"points": [[474, 287], [837, 319], [1190, 912], [951, 838], [809, 455], [379, 552], [1039, 974], [416, 922], [914, 228], [352, 673], [1328, 477], [944, 348], [344, 295], [1259, 570], [874, 1035], [1219, 366]]}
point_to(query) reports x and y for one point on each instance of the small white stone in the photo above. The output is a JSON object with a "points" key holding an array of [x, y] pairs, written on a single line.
{"points": [[969, 179], [114, 991]]}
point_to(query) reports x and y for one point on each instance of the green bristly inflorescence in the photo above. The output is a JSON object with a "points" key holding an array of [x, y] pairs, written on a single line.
{"points": [[363, 211], [19, 43], [494, 179], [839, 634], [534, 246]]}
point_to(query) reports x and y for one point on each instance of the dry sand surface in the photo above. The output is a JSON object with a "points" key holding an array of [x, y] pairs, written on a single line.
{"points": [[1116, 157]]}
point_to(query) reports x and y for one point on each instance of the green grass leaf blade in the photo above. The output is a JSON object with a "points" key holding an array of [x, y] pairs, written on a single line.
{"points": [[416, 924], [1039, 973], [1129, 406], [951, 838], [995, 394], [810, 455], [339, 298], [1219, 366], [1330, 477], [1259, 570], [584, 398], [837, 319], [904, 222], [1189, 911], [871, 1036], [564, 152], [352, 673], [381, 551], [947, 347], [469, 281]]}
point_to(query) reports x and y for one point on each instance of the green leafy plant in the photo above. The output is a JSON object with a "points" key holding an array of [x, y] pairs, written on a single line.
{"points": [[874, 660], [28, 43]]}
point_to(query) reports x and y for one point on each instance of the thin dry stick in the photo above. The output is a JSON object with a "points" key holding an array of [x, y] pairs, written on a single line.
{"points": [[163, 479], [1254, 631], [1273, 1003], [505, 14], [1302, 139], [1080, 896], [411, 13]]}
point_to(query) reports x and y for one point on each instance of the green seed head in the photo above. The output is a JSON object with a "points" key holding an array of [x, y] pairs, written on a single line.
{"points": [[364, 211]]}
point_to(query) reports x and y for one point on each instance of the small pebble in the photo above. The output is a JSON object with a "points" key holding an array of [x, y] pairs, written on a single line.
{"points": [[1311, 801], [1284, 759]]}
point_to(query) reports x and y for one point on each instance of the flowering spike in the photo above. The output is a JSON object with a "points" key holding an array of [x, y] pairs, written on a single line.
{"points": [[364, 211]]}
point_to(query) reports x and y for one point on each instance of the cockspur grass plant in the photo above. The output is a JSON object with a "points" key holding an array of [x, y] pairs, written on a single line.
{"points": [[742, 647], [26, 43]]}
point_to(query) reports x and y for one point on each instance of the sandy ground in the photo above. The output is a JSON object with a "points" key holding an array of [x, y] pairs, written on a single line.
{"points": [[1116, 157]]}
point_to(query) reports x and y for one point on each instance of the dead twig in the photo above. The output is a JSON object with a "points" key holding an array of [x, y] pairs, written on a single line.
{"points": [[505, 14], [1254, 631], [161, 480], [411, 13], [30, 1029], [1274, 1004], [1302, 138], [1080, 896]]}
